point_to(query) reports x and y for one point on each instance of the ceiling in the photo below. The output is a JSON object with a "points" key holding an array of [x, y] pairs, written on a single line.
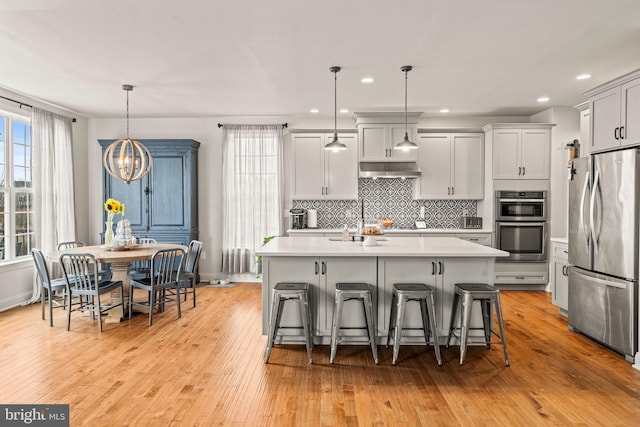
{"points": [[193, 58]]}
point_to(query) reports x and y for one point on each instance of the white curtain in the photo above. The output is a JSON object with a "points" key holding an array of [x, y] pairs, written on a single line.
{"points": [[54, 209], [252, 192]]}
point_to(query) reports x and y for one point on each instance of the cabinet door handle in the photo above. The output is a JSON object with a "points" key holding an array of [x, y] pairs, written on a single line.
{"points": [[564, 270], [473, 239], [324, 268], [622, 132], [441, 267], [615, 133], [433, 268], [524, 171], [448, 191], [316, 267], [519, 170], [453, 191]]}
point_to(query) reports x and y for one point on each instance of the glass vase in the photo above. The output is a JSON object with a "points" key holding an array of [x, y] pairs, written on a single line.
{"points": [[108, 232]]}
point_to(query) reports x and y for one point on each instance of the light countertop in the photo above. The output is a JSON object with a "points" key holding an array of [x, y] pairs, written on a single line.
{"points": [[311, 231], [396, 247], [560, 240]]}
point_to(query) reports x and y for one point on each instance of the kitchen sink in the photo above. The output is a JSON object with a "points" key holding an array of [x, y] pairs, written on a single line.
{"points": [[339, 239]]}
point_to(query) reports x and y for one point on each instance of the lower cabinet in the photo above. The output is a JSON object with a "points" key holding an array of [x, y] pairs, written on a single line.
{"points": [[440, 273], [559, 275], [381, 273], [323, 274]]}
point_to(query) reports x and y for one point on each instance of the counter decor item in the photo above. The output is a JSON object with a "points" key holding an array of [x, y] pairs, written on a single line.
{"points": [[112, 207]]}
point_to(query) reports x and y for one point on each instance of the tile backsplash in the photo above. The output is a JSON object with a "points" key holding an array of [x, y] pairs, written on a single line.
{"points": [[390, 198]]}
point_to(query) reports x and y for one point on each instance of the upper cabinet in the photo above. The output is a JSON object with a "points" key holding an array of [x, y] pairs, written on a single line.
{"points": [[378, 134], [615, 113], [321, 174], [520, 151], [452, 166], [377, 142], [585, 128], [164, 204]]}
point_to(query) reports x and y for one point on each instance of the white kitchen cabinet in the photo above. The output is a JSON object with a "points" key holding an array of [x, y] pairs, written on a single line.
{"points": [[483, 239], [376, 142], [452, 166], [615, 114], [322, 274], [440, 273], [559, 276], [520, 151], [321, 174], [585, 129]]}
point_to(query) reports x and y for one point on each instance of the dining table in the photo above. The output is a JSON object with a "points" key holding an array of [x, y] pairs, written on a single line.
{"points": [[120, 259]]}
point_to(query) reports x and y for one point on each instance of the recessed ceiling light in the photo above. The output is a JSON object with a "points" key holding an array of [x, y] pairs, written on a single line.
{"points": [[367, 80], [344, 110], [583, 76], [543, 99], [444, 110], [314, 110]]}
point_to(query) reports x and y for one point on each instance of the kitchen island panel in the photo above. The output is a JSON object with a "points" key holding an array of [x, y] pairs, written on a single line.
{"points": [[441, 274], [322, 274]]}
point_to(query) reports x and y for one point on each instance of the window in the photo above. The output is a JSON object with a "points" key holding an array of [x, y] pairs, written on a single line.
{"points": [[16, 196], [252, 192]]}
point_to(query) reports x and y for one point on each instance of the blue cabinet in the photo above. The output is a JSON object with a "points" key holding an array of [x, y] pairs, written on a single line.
{"points": [[164, 204]]}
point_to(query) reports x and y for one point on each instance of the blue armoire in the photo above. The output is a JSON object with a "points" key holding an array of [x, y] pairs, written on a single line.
{"points": [[164, 204]]}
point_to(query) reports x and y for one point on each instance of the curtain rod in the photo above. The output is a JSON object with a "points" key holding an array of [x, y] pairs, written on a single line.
{"points": [[284, 125], [21, 104]]}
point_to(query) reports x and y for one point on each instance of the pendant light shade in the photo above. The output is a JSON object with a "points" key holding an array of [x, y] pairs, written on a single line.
{"points": [[406, 143], [127, 159], [335, 145]]}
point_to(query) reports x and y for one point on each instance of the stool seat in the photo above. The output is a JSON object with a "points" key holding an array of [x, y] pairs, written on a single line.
{"points": [[402, 293], [281, 293], [465, 294], [351, 291]]}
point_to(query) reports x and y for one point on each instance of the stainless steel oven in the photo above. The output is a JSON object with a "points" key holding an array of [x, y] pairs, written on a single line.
{"points": [[521, 205], [521, 225], [525, 241]]}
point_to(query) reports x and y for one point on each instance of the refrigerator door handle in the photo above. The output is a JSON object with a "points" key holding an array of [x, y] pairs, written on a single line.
{"points": [[592, 205], [583, 198]]}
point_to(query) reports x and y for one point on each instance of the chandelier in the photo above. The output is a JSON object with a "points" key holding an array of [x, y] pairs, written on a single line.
{"points": [[127, 159]]}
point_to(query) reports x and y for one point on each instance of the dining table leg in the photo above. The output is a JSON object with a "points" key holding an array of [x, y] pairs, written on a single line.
{"points": [[120, 271]]}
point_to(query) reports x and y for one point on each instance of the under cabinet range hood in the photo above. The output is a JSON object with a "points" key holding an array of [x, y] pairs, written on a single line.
{"points": [[389, 170]]}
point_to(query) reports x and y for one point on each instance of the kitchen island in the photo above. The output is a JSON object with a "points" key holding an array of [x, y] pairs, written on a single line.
{"points": [[439, 262]]}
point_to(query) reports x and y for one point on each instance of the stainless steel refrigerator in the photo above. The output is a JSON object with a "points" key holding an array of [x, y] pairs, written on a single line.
{"points": [[604, 193]]}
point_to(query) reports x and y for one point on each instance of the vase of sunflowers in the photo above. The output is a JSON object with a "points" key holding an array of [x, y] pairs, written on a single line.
{"points": [[112, 207]]}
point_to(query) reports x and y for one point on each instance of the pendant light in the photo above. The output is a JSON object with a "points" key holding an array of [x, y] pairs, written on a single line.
{"points": [[127, 159], [335, 145], [406, 144]]}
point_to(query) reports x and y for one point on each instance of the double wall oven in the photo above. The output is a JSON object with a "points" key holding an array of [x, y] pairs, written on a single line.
{"points": [[521, 225]]}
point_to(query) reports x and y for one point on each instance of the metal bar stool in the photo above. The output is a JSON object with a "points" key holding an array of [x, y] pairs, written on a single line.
{"points": [[353, 291], [466, 294], [281, 293], [402, 293]]}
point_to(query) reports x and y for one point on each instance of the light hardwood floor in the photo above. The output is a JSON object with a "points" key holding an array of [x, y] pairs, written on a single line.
{"points": [[207, 369]]}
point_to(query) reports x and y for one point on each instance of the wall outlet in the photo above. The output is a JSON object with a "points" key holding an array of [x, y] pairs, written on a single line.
{"points": [[203, 255], [347, 213]]}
